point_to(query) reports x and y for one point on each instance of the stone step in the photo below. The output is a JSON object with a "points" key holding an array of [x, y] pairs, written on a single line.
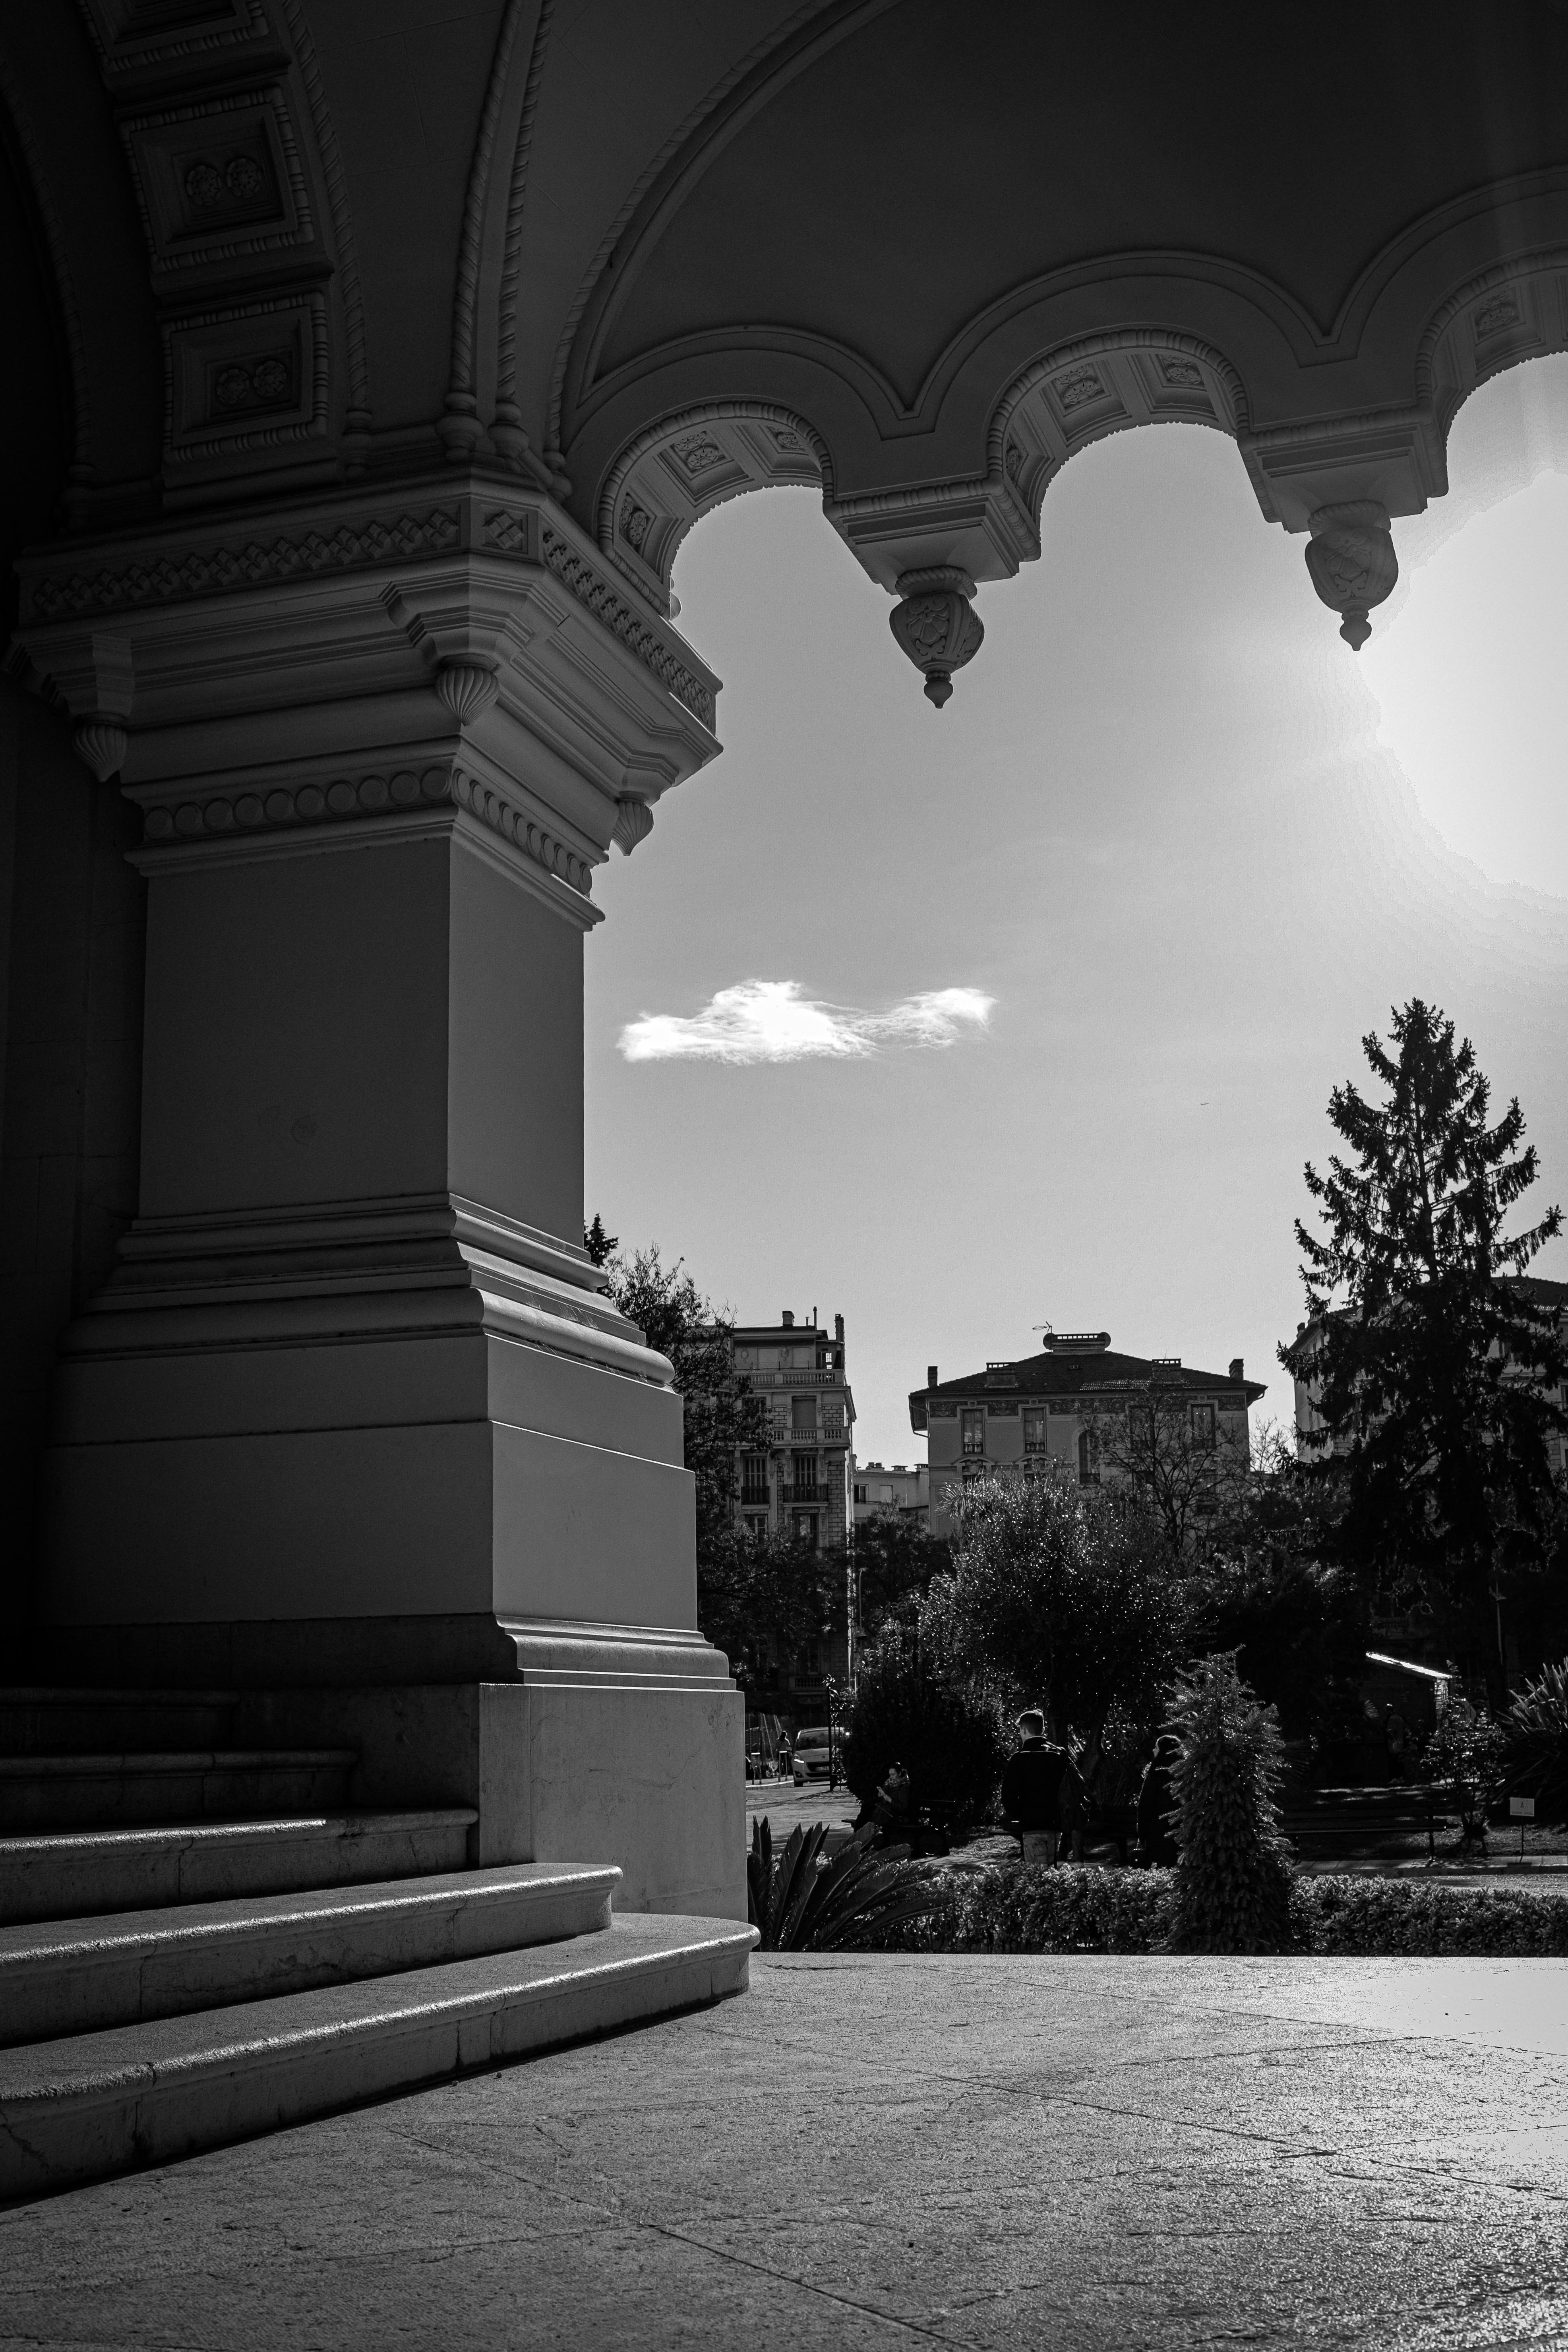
{"points": [[61, 1722], [81, 1976], [75, 1874], [78, 2110], [45, 1792]]}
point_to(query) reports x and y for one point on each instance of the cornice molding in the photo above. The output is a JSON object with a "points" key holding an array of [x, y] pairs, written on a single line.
{"points": [[575, 573], [342, 644], [176, 821]]}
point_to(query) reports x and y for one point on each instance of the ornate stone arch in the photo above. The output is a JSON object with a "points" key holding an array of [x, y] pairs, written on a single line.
{"points": [[679, 469], [1516, 311], [1098, 386]]}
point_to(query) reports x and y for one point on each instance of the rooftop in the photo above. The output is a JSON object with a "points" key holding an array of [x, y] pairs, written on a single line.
{"points": [[1087, 1365]]}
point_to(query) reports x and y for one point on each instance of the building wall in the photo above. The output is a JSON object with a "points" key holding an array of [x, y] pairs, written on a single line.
{"points": [[1019, 1434]]}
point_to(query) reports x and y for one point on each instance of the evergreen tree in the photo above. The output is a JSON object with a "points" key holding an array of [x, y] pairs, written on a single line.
{"points": [[1430, 1360], [600, 1245], [721, 1413]]}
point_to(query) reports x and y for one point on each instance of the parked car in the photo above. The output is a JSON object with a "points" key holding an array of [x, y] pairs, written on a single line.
{"points": [[811, 1754]]}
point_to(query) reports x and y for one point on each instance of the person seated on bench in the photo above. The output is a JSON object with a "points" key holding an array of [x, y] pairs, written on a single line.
{"points": [[1042, 1792], [894, 1810]]}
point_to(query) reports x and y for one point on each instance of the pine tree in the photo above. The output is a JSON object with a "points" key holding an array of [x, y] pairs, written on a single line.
{"points": [[1431, 1361]]}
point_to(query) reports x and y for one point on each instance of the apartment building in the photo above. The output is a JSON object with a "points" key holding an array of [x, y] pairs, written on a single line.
{"points": [[798, 1483], [1083, 1408], [890, 1491]]}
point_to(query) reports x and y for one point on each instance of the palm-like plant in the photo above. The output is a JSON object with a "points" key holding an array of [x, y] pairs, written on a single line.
{"points": [[798, 1903], [1537, 1729]]}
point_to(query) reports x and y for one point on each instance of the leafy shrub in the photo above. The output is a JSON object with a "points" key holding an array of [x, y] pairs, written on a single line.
{"points": [[800, 1903], [1466, 1755], [949, 1737], [1390, 1917], [1061, 1596], [1232, 1876], [991, 1909], [1537, 1736], [988, 1909]]}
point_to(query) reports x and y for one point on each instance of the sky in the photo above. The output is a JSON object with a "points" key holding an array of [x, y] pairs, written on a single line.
{"points": [[1058, 980]]}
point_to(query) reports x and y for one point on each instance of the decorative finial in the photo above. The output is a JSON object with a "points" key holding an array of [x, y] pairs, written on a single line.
{"points": [[1351, 563], [936, 625]]}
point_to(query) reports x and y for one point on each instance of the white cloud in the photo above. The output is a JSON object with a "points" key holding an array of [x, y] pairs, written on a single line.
{"points": [[771, 1020]]}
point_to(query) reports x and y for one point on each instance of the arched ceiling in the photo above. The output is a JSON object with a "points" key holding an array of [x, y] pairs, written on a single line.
{"points": [[917, 253]]}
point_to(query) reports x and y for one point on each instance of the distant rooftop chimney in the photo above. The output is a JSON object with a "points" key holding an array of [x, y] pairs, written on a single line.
{"points": [[839, 1328], [1237, 1369], [1075, 1343], [788, 1319], [931, 1376]]}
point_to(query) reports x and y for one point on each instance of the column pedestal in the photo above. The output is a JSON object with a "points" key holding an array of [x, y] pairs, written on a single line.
{"points": [[351, 1428]]}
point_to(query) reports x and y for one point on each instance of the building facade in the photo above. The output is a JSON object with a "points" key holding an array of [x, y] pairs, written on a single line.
{"points": [[1088, 1412], [900, 1491], [797, 1484]]}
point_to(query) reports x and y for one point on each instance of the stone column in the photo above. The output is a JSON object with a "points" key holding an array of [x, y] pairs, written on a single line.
{"points": [[353, 1413]]}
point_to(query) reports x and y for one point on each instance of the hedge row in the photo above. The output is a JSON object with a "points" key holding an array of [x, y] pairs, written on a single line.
{"points": [[1079, 1910]]}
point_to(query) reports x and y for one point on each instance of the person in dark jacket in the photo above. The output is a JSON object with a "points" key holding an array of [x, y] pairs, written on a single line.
{"points": [[1156, 1846], [1041, 1791]]}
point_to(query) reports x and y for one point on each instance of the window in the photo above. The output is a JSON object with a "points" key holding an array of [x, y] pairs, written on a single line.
{"points": [[860, 1494], [756, 1523], [753, 1477], [1203, 1424], [1034, 1433], [1088, 1458], [802, 1412], [803, 1474], [974, 1433], [805, 1528]]}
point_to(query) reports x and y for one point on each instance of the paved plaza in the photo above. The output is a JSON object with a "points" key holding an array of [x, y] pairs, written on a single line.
{"points": [[866, 2152]]}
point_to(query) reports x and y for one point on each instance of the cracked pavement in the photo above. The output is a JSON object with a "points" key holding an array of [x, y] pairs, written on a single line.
{"points": [[868, 2152]]}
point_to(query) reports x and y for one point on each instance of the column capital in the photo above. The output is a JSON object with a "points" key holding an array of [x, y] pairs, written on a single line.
{"points": [[369, 657]]}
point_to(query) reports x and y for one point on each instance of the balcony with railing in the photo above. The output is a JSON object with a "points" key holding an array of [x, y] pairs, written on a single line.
{"points": [[753, 1498], [794, 1497]]}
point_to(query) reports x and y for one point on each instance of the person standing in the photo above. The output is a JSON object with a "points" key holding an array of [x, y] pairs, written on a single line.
{"points": [[1039, 1781]]}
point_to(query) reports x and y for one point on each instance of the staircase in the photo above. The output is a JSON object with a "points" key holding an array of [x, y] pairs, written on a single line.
{"points": [[200, 1941]]}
